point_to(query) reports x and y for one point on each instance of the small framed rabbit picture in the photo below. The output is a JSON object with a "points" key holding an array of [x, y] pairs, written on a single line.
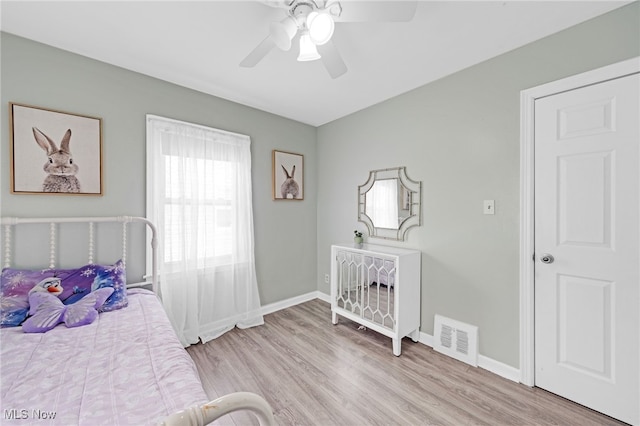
{"points": [[54, 152], [288, 176]]}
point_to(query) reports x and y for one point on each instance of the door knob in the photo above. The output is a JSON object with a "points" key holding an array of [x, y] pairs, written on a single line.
{"points": [[547, 258]]}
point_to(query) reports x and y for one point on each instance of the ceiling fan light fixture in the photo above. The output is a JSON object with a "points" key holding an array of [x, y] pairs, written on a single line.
{"points": [[282, 32], [308, 51], [321, 26]]}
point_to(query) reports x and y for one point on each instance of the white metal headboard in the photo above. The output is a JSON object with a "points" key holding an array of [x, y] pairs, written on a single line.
{"points": [[9, 222]]}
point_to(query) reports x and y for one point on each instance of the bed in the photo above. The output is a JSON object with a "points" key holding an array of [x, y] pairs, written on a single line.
{"points": [[123, 365]]}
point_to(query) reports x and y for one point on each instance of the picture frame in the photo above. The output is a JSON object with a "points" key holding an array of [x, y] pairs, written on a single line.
{"points": [[287, 176], [54, 152]]}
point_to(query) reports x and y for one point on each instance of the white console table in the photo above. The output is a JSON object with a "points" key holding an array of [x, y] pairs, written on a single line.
{"points": [[378, 287]]}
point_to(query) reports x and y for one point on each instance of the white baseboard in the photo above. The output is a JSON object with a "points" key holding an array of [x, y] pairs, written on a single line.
{"points": [[499, 368], [426, 339], [277, 306], [324, 297], [486, 363]]}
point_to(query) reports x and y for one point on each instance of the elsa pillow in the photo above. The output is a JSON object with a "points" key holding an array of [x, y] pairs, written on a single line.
{"points": [[15, 285]]}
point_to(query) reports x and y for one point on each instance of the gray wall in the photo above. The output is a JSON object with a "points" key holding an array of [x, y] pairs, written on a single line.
{"points": [[39, 75], [460, 137]]}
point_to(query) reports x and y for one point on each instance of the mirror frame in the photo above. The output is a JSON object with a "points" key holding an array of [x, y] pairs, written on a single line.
{"points": [[415, 203]]}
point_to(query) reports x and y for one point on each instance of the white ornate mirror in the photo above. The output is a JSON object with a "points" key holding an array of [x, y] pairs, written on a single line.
{"points": [[390, 203]]}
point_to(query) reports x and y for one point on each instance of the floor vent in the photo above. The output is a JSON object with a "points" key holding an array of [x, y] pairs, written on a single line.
{"points": [[456, 339]]}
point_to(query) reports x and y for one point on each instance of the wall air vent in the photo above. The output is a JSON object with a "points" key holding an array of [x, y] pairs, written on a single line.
{"points": [[456, 339]]}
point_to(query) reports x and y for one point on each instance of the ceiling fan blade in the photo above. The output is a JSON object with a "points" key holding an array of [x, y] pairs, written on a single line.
{"points": [[332, 60], [258, 53], [376, 11]]}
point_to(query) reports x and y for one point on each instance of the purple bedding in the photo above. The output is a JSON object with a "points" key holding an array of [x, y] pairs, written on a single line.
{"points": [[126, 368]]}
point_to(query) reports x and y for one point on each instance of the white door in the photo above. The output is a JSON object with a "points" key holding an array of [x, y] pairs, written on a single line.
{"points": [[587, 258]]}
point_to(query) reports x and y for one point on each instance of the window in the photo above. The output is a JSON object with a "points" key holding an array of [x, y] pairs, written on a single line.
{"points": [[192, 177], [199, 198], [210, 211]]}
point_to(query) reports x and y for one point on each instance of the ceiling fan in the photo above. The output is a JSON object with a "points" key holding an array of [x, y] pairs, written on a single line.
{"points": [[312, 22]]}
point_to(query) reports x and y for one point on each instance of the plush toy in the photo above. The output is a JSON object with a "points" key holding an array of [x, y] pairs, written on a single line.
{"points": [[47, 310], [51, 285]]}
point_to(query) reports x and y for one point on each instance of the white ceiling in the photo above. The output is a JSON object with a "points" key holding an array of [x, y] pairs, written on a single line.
{"points": [[199, 45]]}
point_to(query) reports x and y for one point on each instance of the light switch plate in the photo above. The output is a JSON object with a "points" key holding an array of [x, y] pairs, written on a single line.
{"points": [[489, 207]]}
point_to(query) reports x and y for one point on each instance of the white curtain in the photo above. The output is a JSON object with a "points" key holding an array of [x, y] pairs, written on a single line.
{"points": [[199, 197], [382, 203]]}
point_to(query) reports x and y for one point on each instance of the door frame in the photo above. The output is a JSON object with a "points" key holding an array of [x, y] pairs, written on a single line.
{"points": [[527, 249]]}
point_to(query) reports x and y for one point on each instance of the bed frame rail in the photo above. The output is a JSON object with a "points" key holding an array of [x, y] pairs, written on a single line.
{"points": [[213, 410], [9, 222]]}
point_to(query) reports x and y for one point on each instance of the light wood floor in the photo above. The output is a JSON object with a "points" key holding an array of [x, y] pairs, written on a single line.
{"points": [[315, 373]]}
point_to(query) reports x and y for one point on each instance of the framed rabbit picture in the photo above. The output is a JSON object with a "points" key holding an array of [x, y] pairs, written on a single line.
{"points": [[54, 152], [288, 176]]}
